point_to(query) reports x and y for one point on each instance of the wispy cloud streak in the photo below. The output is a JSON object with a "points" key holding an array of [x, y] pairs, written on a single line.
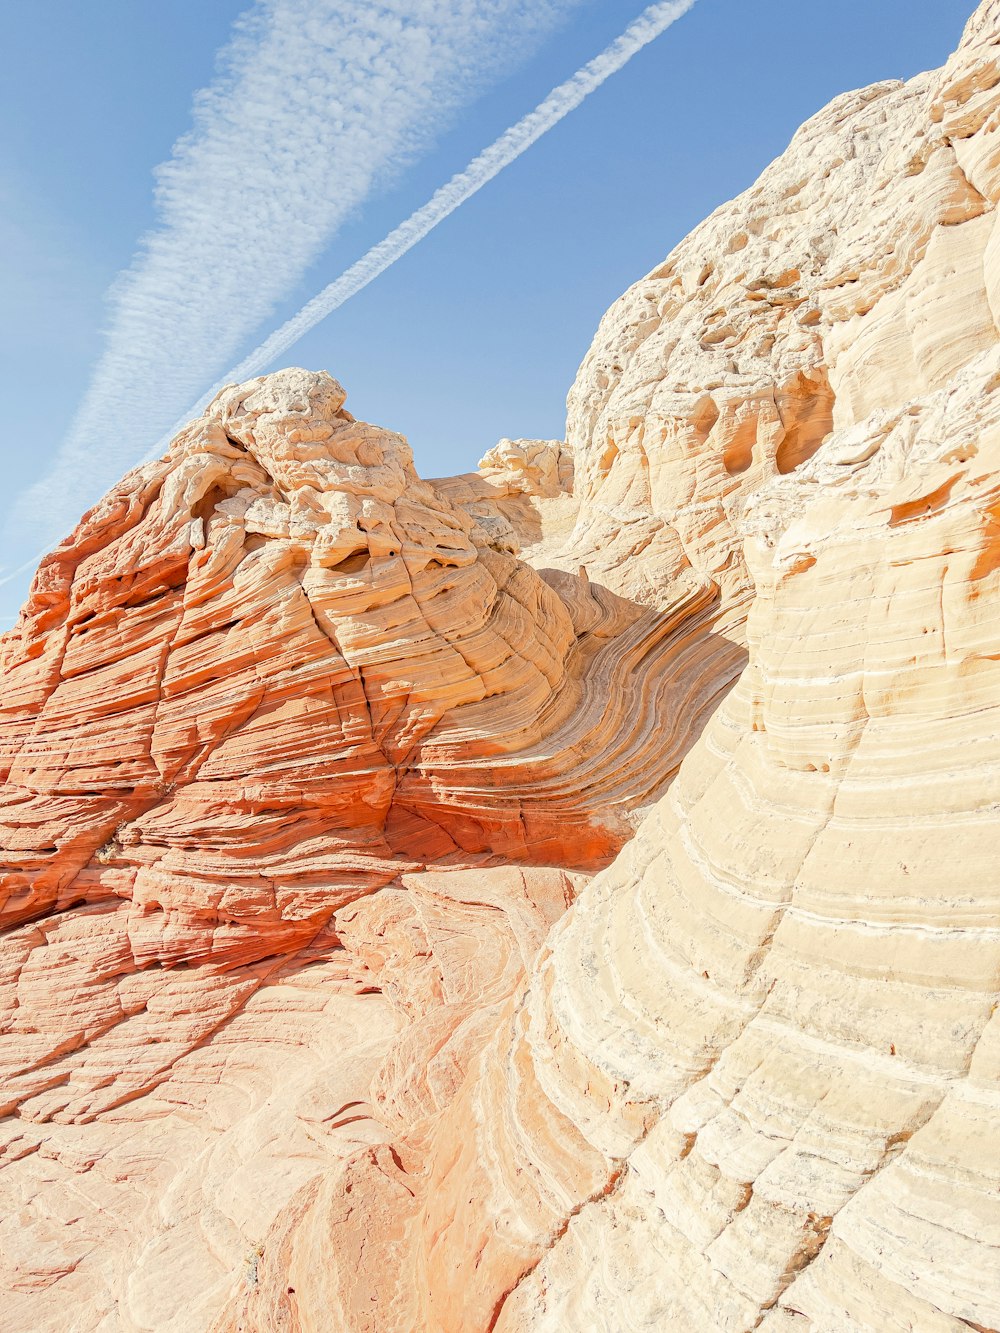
{"points": [[316, 104], [482, 169], [462, 186], [650, 24]]}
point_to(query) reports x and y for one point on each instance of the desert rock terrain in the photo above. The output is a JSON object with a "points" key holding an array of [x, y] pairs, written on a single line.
{"points": [[563, 896]]}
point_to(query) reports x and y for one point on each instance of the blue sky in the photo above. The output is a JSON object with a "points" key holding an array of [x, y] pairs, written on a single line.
{"points": [[477, 332]]}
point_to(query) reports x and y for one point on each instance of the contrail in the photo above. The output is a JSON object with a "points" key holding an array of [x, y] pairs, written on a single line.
{"points": [[653, 21], [489, 163], [481, 170]]}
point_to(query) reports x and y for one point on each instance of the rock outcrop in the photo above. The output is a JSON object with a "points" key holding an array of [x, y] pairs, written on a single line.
{"points": [[269, 676], [337, 995]]}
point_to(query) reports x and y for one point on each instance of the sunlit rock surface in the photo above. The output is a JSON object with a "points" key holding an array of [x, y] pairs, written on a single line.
{"points": [[334, 997], [269, 681]]}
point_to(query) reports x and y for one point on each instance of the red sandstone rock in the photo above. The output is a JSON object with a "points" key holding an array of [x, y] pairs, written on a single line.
{"points": [[269, 676]]}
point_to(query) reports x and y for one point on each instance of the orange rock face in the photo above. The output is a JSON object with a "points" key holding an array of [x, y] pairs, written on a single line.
{"points": [[334, 998], [268, 677]]}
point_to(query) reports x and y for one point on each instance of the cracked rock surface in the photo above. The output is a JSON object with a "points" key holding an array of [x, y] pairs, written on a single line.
{"points": [[337, 992]]}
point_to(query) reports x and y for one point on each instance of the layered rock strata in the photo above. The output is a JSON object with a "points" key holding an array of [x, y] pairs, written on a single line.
{"points": [[751, 1081], [335, 999], [269, 676]]}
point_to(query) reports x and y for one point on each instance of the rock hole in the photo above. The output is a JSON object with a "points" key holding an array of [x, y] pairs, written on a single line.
{"points": [[353, 564], [806, 410], [926, 504], [739, 454]]}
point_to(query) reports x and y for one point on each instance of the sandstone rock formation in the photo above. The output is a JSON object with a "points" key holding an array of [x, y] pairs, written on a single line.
{"points": [[336, 995], [268, 676]]}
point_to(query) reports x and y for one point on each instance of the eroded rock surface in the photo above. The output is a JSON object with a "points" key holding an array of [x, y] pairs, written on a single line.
{"points": [[269, 676], [335, 998]]}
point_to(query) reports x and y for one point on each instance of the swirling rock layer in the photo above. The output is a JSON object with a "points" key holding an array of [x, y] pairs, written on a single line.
{"points": [[335, 999], [268, 676], [751, 1080]]}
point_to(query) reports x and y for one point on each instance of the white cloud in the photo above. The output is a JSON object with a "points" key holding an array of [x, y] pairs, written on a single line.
{"points": [[487, 164], [317, 103], [481, 170]]}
